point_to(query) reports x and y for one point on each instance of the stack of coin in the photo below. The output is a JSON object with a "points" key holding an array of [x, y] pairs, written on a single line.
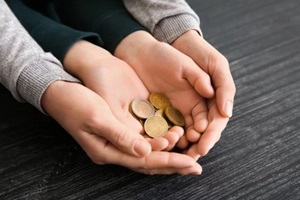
{"points": [[157, 115]]}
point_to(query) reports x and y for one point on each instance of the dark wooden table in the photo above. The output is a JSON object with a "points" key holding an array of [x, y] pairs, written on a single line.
{"points": [[258, 156]]}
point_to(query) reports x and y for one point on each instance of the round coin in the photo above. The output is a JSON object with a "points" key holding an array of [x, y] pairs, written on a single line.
{"points": [[159, 113], [156, 126], [159, 100], [131, 112], [142, 108], [174, 116]]}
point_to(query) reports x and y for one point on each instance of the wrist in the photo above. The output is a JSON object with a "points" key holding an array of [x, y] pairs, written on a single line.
{"points": [[184, 41], [83, 55], [132, 46], [51, 94]]}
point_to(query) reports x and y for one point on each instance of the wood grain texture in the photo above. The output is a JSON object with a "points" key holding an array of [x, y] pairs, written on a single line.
{"points": [[258, 156]]}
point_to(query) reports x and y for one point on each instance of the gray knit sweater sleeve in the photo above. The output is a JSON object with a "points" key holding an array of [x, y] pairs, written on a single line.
{"points": [[25, 69], [166, 19]]}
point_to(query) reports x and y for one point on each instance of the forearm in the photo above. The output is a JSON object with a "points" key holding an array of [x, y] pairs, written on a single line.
{"points": [[166, 20], [25, 69]]}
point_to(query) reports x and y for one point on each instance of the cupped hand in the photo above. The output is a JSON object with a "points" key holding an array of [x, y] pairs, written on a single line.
{"points": [[214, 64], [117, 83], [164, 69], [88, 118]]}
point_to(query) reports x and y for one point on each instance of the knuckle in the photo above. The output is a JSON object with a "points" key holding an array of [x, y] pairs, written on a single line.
{"points": [[99, 160], [234, 89], [222, 62], [149, 171], [121, 137], [92, 120]]}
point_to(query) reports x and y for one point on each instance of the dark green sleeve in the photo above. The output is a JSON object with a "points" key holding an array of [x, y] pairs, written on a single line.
{"points": [[51, 35], [108, 18]]}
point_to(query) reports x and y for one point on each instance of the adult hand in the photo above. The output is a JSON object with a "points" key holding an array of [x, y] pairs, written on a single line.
{"points": [[214, 64], [87, 117], [164, 69], [217, 67]]}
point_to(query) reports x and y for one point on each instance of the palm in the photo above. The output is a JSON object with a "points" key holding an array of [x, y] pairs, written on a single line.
{"points": [[118, 85], [168, 71]]}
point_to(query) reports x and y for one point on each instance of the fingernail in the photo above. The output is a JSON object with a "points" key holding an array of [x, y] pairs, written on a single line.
{"points": [[142, 148], [198, 170], [228, 108]]}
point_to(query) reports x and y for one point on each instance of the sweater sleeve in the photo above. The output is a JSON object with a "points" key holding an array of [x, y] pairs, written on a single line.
{"points": [[165, 19], [25, 69]]}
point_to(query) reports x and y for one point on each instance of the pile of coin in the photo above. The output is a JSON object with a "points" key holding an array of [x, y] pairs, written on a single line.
{"points": [[156, 114]]}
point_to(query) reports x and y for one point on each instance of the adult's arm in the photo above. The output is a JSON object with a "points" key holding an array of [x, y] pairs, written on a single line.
{"points": [[166, 20], [25, 69]]}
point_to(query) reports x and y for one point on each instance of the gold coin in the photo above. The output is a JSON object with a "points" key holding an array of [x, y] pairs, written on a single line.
{"points": [[142, 108], [159, 113], [159, 100], [174, 116], [156, 126]]}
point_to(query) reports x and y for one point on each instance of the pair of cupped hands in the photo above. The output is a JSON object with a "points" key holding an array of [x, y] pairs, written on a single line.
{"points": [[193, 74]]}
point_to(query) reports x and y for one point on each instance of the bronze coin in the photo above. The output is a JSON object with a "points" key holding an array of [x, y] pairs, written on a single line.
{"points": [[159, 100], [174, 116], [156, 126]]}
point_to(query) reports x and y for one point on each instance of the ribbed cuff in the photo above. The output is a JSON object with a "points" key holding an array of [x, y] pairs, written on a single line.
{"points": [[34, 79], [169, 29]]}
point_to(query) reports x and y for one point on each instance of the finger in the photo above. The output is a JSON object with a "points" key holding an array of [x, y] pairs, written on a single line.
{"points": [[195, 170], [192, 135], [212, 134], [225, 98], [217, 66], [200, 114], [200, 121], [182, 142], [161, 159], [193, 152], [157, 144], [103, 152], [123, 138], [199, 79], [173, 135], [223, 83]]}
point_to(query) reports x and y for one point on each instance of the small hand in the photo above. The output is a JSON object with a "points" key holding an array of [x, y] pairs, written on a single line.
{"points": [[117, 83], [164, 69]]}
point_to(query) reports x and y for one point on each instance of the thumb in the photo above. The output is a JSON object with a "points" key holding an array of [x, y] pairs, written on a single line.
{"points": [[126, 140]]}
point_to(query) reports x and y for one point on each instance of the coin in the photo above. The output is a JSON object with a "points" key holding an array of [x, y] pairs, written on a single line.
{"points": [[156, 126], [132, 113], [142, 108], [159, 113], [174, 116], [159, 100]]}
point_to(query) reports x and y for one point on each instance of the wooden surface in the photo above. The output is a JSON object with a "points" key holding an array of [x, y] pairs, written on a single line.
{"points": [[258, 156]]}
